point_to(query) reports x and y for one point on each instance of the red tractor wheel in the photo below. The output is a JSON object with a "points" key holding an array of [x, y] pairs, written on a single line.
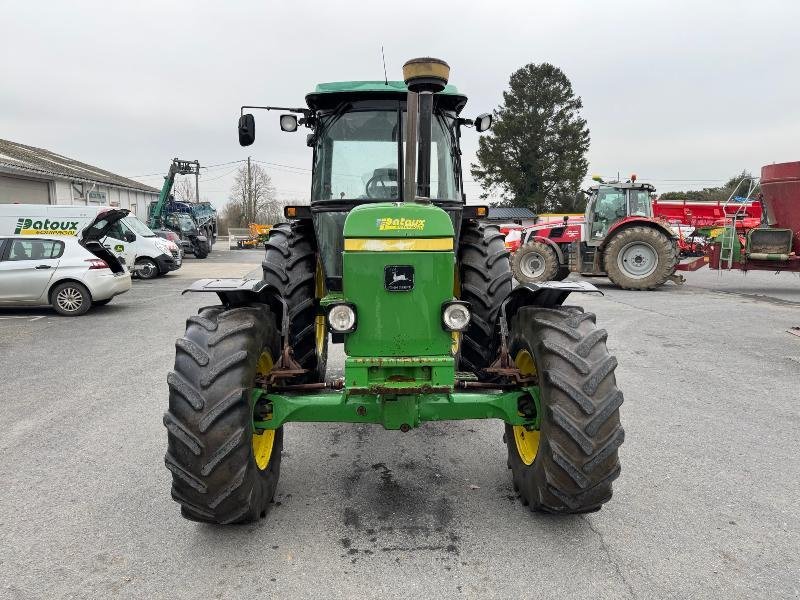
{"points": [[535, 261], [640, 258]]}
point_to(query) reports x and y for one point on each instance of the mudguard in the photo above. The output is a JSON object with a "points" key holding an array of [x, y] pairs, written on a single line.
{"points": [[544, 293], [551, 243], [236, 292], [656, 223]]}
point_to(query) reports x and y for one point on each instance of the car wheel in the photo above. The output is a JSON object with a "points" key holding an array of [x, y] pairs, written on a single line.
{"points": [[70, 299], [146, 268]]}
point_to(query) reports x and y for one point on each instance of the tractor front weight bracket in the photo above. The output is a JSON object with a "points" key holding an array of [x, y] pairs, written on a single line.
{"points": [[398, 410]]}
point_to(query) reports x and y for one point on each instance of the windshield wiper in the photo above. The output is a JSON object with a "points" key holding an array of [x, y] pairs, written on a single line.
{"points": [[334, 116]]}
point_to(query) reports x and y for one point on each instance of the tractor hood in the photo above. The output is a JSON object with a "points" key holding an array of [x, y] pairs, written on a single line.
{"points": [[99, 227]]}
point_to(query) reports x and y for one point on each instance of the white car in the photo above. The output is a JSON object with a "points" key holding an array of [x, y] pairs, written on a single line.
{"points": [[69, 273]]}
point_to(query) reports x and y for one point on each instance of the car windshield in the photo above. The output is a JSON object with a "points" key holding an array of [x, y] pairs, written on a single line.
{"points": [[357, 153], [138, 227]]}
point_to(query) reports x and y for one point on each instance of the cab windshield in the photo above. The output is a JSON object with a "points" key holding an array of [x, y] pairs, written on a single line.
{"points": [[357, 153], [138, 227], [609, 207]]}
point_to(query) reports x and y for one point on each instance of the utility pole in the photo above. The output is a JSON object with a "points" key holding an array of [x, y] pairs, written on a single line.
{"points": [[249, 192], [197, 182]]}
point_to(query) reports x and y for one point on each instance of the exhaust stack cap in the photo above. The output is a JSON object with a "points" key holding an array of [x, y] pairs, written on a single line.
{"points": [[426, 74]]}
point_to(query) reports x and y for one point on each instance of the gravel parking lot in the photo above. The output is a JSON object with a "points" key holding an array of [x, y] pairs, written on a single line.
{"points": [[706, 506]]}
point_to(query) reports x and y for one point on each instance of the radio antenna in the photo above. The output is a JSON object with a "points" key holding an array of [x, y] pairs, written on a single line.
{"points": [[385, 78]]}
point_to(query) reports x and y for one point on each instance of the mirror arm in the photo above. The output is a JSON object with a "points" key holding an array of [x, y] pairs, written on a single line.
{"points": [[302, 111]]}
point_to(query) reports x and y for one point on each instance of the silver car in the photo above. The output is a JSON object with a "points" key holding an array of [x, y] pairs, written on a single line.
{"points": [[69, 273]]}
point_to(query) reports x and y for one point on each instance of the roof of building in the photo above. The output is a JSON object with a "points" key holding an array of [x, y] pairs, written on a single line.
{"points": [[38, 161], [510, 213]]}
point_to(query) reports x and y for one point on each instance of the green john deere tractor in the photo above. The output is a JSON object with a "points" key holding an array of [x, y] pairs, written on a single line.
{"points": [[391, 262]]}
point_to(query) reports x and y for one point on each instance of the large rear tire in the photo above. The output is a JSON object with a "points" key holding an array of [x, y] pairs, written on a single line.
{"points": [[640, 258], [222, 471], [485, 281], [290, 264], [534, 262], [568, 465]]}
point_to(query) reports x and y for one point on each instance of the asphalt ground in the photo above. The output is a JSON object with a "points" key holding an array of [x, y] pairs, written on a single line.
{"points": [[706, 506]]}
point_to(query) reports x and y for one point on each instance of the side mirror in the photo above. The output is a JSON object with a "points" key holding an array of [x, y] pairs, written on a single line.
{"points": [[289, 123], [130, 236], [483, 122], [247, 130]]}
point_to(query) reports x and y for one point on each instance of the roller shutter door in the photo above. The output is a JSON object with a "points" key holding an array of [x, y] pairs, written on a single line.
{"points": [[23, 191]]}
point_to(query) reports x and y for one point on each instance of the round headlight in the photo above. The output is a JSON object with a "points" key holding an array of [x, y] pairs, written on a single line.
{"points": [[342, 318], [456, 317]]}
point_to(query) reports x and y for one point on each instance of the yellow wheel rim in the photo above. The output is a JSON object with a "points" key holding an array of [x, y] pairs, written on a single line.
{"points": [[455, 345], [527, 442], [320, 330], [263, 441], [320, 333]]}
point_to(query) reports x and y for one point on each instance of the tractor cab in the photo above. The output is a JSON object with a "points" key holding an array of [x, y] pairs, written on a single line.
{"points": [[611, 203], [358, 135], [359, 143]]}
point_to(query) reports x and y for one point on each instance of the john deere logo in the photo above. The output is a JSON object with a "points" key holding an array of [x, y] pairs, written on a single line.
{"points": [[39, 227], [389, 224], [398, 278]]}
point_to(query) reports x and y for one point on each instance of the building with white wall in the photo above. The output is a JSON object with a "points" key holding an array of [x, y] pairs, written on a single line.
{"points": [[31, 175]]}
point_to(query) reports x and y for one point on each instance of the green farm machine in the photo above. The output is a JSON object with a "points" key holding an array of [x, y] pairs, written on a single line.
{"points": [[390, 261]]}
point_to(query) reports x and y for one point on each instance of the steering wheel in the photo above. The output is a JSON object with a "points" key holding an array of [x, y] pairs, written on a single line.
{"points": [[381, 186]]}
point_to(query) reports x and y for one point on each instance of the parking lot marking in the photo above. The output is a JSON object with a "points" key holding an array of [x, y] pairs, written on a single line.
{"points": [[35, 318]]}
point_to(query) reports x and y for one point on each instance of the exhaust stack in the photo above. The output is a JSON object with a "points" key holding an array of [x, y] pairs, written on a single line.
{"points": [[424, 77]]}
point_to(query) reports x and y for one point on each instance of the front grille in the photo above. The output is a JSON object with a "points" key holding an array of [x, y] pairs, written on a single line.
{"points": [[175, 254]]}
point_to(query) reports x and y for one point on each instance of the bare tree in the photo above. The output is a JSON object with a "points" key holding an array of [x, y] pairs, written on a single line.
{"points": [[229, 216], [184, 190], [254, 195]]}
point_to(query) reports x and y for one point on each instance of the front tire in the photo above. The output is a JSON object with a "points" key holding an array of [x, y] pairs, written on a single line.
{"points": [[222, 470], [640, 258], [70, 299], [146, 268], [535, 262], [290, 264], [569, 464], [200, 249], [485, 281]]}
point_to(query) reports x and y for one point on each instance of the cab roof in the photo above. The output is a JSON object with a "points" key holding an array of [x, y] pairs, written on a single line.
{"points": [[624, 186], [326, 95]]}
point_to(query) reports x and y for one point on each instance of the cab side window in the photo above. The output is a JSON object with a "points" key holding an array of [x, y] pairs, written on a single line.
{"points": [[116, 232], [35, 249]]}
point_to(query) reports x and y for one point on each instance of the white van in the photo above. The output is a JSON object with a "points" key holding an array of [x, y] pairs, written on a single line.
{"points": [[144, 253]]}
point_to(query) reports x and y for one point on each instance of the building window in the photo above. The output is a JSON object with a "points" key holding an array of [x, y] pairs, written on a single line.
{"points": [[133, 209]]}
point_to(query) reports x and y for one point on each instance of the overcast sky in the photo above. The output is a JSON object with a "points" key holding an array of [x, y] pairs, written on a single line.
{"points": [[671, 90]]}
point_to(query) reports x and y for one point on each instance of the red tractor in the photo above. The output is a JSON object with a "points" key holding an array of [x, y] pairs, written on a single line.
{"points": [[618, 237]]}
